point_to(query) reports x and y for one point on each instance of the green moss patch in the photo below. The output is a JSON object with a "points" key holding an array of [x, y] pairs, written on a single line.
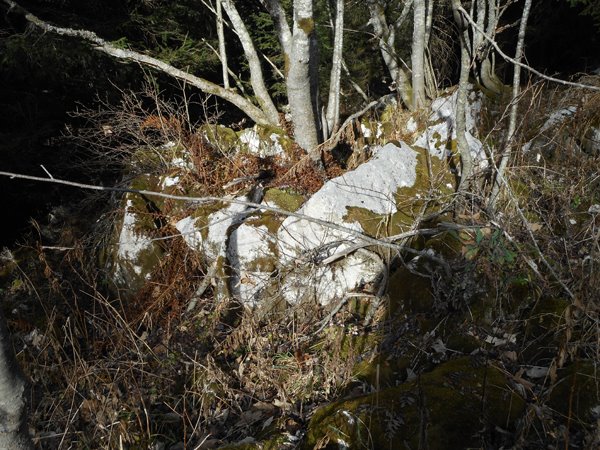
{"points": [[307, 25], [433, 184], [284, 199], [423, 412]]}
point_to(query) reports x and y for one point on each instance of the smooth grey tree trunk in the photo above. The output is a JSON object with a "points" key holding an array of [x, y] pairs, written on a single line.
{"points": [[301, 88], [431, 86], [256, 73], [222, 49], [461, 104], [512, 120], [418, 54], [13, 427], [283, 29], [333, 102], [486, 19], [387, 36]]}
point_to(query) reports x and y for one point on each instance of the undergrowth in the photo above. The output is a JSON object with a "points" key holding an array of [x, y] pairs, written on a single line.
{"points": [[517, 292]]}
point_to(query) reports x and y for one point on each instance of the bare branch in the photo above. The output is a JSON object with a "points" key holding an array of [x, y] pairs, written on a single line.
{"points": [[209, 199], [255, 113], [512, 123], [256, 75], [281, 24], [468, 17]]}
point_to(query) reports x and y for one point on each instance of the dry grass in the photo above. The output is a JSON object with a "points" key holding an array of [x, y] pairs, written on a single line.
{"points": [[111, 372], [548, 217]]}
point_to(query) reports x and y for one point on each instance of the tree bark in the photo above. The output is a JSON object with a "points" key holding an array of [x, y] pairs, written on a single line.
{"points": [[333, 102], [222, 49], [418, 54], [461, 103], [301, 81], [256, 73], [486, 19], [431, 87], [13, 427], [387, 36], [283, 30], [512, 121]]}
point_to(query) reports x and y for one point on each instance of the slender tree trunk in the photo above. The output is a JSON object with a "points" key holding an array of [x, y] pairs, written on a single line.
{"points": [[387, 35], [256, 73], [461, 104], [431, 87], [512, 120], [222, 49], [418, 54], [299, 46], [13, 427], [429, 20], [333, 102], [301, 88], [486, 19]]}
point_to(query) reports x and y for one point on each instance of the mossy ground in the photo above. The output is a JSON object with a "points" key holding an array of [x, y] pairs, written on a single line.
{"points": [[422, 412]]}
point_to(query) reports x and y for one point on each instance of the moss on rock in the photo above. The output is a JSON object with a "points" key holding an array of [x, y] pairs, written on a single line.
{"points": [[423, 412], [284, 199]]}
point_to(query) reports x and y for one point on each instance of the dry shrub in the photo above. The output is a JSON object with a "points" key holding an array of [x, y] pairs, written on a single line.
{"points": [[550, 217], [164, 297], [108, 372]]}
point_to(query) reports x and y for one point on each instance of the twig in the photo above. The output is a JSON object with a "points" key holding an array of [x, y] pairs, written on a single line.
{"points": [[341, 254], [46, 170], [210, 275], [534, 240], [209, 199], [518, 63]]}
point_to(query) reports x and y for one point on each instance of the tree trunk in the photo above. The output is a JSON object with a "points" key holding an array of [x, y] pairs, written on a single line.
{"points": [[256, 74], [222, 49], [487, 21], [283, 30], [333, 102], [461, 104], [386, 36], [418, 54], [13, 427], [512, 121], [431, 86], [301, 83]]}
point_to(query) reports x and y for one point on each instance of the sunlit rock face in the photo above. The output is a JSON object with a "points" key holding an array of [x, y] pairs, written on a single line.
{"points": [[439, 137], [136, 252], [257, 254], [303, 244], [250, 253]]}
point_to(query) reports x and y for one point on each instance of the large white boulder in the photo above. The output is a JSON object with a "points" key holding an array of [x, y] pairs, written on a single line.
{"points": [[304, 243]]}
